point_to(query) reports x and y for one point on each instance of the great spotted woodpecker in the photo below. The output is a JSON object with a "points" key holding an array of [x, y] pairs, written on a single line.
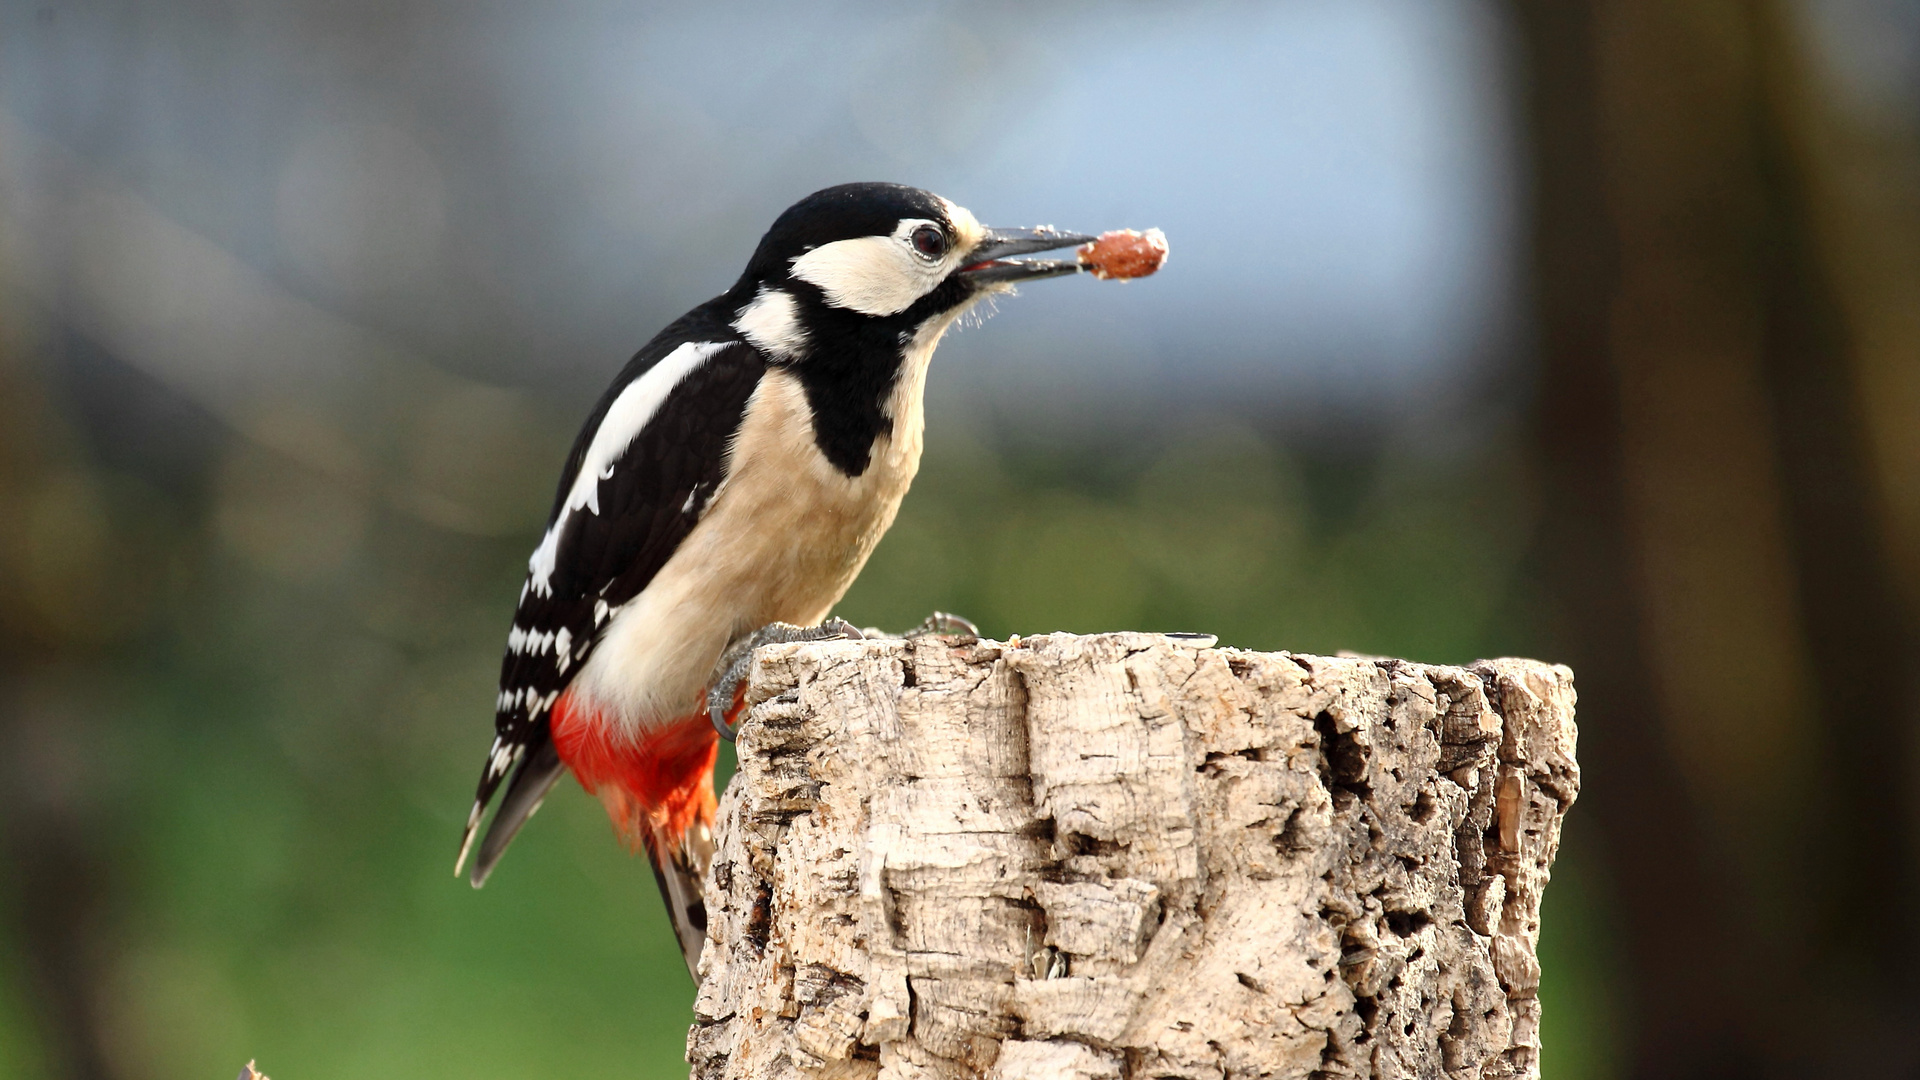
{"points": [[725, 491]]}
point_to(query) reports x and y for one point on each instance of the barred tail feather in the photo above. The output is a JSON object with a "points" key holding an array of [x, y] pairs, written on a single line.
{"points": [[537, 774]]}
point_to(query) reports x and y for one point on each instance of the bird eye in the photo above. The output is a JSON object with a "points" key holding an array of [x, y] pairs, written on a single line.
{"points": [[930, 241]]}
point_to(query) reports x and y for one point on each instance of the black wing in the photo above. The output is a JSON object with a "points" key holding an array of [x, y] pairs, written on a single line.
{"points": [[648, 498]]}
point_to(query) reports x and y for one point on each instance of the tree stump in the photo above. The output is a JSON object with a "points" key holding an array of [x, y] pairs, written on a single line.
{"points": [[1131, 855]]}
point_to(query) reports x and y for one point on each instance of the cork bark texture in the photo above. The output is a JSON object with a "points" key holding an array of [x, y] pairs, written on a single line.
{"points": [[1131, 855]]}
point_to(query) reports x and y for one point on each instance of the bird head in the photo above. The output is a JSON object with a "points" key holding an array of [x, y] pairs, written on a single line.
{"points": [[880, 256]]}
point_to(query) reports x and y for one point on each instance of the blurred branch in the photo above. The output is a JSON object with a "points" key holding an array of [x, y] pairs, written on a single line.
{"points": [[327, 393]]}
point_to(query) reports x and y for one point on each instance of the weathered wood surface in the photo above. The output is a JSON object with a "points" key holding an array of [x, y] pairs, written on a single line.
{"points": [[1129, 855]]}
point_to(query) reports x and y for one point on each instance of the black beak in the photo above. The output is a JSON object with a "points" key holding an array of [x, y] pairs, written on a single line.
{"points": [[988, 263]]}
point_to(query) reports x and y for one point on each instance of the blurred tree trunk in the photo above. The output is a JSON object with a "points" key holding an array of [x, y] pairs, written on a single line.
{"points": [[1700, 421], [56, 874]]}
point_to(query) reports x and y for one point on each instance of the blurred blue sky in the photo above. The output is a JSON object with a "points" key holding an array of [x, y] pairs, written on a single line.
{"points": [[522, 194]]}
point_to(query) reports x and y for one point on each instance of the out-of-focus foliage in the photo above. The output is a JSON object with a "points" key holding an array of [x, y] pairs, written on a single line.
{"points": [[1214, 528]]}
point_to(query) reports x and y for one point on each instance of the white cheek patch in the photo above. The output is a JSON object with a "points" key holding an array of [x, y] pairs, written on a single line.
{"points": [[772, 323], [873, 275], [625, 419], [884, 275]]}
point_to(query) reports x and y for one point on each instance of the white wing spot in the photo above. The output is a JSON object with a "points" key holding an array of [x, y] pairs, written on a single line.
{"points": [[699, 498], [501, 758]]}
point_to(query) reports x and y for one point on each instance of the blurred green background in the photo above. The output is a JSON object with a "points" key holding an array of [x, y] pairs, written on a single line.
{"points": [[1586, 330]]}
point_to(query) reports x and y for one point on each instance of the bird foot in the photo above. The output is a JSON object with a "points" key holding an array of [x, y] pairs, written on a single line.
{"points": [[944, 623], [738, 659], [947, 623]]}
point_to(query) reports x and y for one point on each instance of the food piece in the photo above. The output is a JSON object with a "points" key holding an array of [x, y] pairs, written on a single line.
{"points": [[1125, 254]]}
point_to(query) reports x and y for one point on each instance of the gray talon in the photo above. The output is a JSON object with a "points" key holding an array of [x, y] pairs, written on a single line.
{"points": [[738, 660], [946, 622], [835, 628]]}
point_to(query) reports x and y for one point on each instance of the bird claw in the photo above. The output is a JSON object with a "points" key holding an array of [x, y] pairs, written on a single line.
{"points": [[938, 624], [738, 660], [948, 624]]}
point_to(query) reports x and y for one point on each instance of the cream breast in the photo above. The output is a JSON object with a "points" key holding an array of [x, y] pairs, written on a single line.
{"points": [[781, 541]]}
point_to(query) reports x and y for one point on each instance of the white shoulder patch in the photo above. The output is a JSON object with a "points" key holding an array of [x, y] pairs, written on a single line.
{"points": [[625, 420], [772, 322]]}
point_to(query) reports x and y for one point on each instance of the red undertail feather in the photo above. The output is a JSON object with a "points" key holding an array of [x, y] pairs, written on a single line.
{"points": [[658, 789], [655, 786]]}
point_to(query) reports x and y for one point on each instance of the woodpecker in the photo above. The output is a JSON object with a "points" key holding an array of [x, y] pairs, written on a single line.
{"points": [[725, 492]]}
